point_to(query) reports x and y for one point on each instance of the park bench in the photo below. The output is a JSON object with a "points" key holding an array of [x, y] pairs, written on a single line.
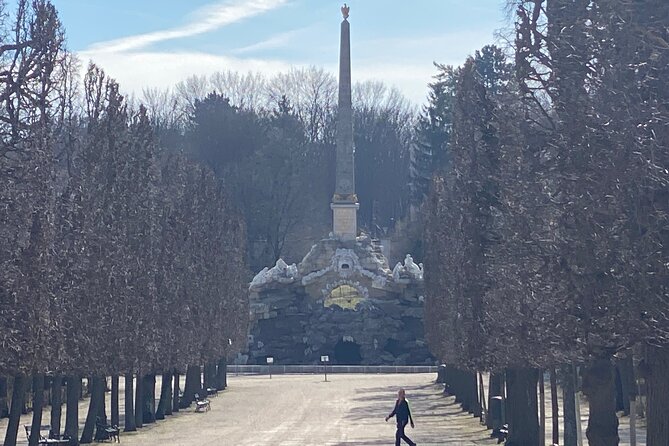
{"points": [[201, 404], [212, 391], [106, 431], [47, 440]]}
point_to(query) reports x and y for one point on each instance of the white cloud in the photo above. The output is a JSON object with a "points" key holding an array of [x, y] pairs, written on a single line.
{"points": [[404, 62], [411, 80], [407, 63], [137, 70], [448, 48], [275, 41], [206, 19]]}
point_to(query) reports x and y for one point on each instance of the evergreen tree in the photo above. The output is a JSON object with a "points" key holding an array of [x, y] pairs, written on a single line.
{"points": [[430, 150]]}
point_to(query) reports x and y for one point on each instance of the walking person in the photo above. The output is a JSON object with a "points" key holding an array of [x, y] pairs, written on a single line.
{"points": [[402, 414]]}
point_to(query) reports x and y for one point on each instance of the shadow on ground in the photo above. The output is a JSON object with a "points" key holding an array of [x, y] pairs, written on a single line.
{"points": [[439, 419]]}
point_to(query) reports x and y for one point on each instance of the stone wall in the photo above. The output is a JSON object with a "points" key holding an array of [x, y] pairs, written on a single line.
{"points": [[292, 321]]}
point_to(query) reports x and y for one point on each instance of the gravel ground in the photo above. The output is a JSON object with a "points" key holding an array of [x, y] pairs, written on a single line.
{"points": [[291, 410]]}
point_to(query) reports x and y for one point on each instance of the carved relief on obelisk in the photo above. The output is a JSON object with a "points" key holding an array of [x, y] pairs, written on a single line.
{"points": [[345, 202]]}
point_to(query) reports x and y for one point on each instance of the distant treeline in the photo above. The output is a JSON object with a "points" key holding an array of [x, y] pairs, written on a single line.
{"points": [[272, 140]]}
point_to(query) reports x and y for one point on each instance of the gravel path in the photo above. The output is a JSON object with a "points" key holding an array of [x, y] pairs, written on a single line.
{"points": [[291, 410]]}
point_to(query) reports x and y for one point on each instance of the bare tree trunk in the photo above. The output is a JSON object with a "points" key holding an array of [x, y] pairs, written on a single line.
{"points": [[149, 399], [632, 420], [542, 408], [482, 399], [522, 408], [193, 385], [56, 404], [598, 386], [505, 395], [165, 393], [38, 406], [103, 403], [441, 373], [114, 401], [168, 403], [448, 381], [72, 409], [129, 425], [175, 393], [27, 396], [101, 435], [495, 401], [453, 386], [4, 408], [465, 388], [18, 395], [569, 406], [622, 400], [657, 385], [625, 368], [139, 410], [86, 390], [473, 392], [97, 391], [555, 409], [579, 427], [209, 375]]}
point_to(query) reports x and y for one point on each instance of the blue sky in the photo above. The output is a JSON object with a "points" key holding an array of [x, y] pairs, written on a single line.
{"points": [[158, 43]]}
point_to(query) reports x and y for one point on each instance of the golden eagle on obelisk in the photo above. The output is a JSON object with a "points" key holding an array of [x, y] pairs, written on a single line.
{"points": [[344, 11]]}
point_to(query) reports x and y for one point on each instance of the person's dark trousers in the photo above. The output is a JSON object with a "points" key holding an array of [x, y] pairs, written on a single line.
{"points": [[400, 435]]}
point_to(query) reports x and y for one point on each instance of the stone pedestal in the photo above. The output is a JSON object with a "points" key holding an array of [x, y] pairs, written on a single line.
{"points": [[344, 220]]}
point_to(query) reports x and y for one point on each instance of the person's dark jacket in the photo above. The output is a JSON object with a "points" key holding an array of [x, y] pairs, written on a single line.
{"points": [[401, 412]]}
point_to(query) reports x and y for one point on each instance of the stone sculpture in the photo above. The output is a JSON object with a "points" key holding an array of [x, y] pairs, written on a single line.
{"points": [[345, 10], [281, 273], [410, 270]]}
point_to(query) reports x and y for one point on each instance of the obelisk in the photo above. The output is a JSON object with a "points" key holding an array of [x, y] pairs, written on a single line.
{"points": [[345, 202]]}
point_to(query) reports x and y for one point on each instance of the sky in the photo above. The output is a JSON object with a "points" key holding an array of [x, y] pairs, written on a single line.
{"points": [[157, 43]]}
